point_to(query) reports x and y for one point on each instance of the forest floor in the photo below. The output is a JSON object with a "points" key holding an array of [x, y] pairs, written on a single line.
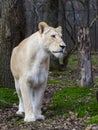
{"points": [[57, 81]]}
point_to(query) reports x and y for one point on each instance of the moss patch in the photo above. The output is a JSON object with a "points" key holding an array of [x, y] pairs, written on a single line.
{"points": [[80, 101], [7, 97]]}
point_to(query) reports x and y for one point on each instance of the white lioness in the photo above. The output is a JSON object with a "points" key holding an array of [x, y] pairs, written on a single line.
{"points": [[29, 66]]}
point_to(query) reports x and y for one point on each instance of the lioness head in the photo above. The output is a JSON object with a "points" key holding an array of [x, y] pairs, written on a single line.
{"points": [[52, 39]]}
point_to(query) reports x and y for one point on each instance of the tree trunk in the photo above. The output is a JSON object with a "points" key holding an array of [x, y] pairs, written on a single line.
{"points": [[85, 66], [61, 22], [35, 11], [10, 35]]}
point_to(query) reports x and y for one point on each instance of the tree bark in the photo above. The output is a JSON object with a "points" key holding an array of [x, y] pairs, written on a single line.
{"points": [[84, 55], [61, 22], [10, 35], [35, 11]]}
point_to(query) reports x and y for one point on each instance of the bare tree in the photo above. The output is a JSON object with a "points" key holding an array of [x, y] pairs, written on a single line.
{"points": [[85, 66]]}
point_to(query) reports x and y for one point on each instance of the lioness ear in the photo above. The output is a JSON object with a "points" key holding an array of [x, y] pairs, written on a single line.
{"points": [[59, 29], [42, 26]]}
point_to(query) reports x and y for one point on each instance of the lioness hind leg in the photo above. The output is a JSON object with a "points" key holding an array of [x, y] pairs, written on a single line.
{"points": [[21, 107], [38, 97]]}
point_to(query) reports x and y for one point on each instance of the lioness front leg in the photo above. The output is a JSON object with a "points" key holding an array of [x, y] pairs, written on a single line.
{"points": [[38, 97], [21, 107], [27, 100]]}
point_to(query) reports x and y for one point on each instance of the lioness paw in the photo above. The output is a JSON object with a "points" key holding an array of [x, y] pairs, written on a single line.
{"points": [[40, 117], [30, 119], [33, 118], [19, 112]]}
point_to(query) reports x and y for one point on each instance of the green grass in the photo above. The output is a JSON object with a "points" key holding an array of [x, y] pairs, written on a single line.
{"points": [[56, 82], [79, 100], [7, 97], [76, 99], [93, 119]]}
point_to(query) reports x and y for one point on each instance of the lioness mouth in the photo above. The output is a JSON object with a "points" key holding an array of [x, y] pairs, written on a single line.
{"points": [[57, 51]]}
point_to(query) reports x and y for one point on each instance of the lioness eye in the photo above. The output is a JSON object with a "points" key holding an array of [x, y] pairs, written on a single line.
{"points": [[53, 36]]}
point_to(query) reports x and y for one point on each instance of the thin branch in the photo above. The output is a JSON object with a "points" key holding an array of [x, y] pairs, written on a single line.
{"points": [[93, 21]]}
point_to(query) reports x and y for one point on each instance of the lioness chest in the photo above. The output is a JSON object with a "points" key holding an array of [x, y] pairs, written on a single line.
{"points": [[39, 69], [38, 74]]}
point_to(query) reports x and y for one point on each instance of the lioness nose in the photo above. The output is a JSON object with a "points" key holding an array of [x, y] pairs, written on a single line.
{"points": [[62, 46]]}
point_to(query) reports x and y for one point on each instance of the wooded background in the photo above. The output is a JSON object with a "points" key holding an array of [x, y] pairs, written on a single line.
{"points": [[20, 18]]}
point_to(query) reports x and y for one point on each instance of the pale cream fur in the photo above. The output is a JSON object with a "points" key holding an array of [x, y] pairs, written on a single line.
{"points": [[29, 66]]}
